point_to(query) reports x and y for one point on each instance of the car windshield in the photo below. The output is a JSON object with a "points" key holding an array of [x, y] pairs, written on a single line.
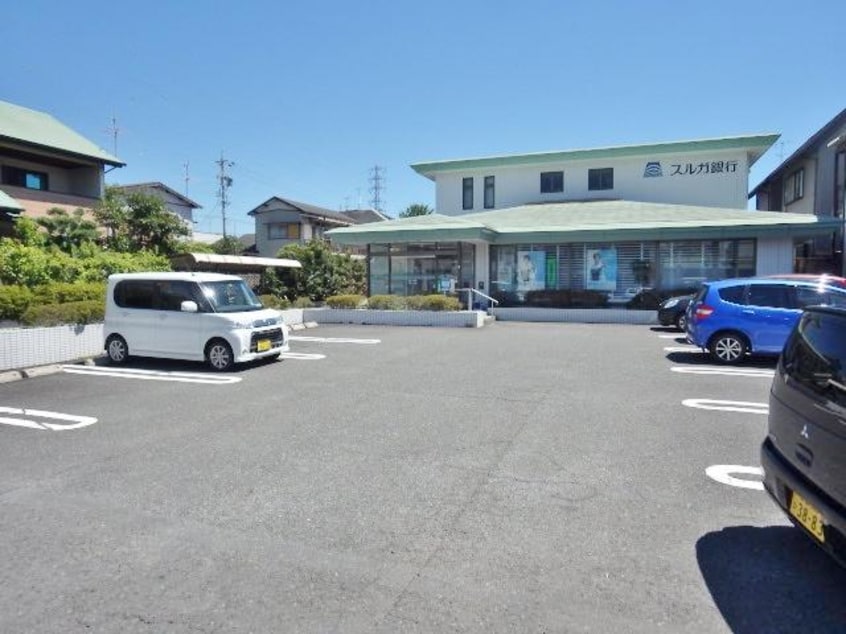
{"points": [[230, 296]]}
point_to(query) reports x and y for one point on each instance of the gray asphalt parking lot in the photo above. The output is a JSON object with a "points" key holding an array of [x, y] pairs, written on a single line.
{"points": [[520, 477]]}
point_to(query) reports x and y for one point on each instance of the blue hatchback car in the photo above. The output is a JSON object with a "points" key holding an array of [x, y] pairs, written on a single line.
{"points": [[735, 317]]}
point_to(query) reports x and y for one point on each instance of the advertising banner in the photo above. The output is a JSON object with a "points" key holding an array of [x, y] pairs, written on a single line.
{"points": [[531, 271], [601, 269]]}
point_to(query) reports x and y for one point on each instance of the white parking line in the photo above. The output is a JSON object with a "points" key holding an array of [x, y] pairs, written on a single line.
{"points": [[334, 340], [689, 348], [744, 407], [678, 336], [301, 356], [722, 473], [152, 375], [73, 421], [762, 373]]}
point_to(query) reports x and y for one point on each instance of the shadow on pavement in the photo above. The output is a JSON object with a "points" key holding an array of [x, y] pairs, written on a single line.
{"points": [[699, 357], [173, 365], [772, 579]]}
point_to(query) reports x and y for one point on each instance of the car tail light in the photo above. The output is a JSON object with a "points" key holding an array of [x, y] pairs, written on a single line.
{"points": [[703, 311]]}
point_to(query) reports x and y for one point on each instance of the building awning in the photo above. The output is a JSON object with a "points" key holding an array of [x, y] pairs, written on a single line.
{"points": [[589, 221], [230, 263]]}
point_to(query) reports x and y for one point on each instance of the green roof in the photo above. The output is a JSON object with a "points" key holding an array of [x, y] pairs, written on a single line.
{"points": [[589, 221], [9, 203], [755, 145], [40, 129]]}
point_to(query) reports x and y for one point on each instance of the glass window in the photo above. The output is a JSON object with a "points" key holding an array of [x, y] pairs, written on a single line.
{"points": [[551, 182], [283, 231], [771, 295], [602, 178], [169, 295], [467, 193], [24, 178], [816, 355], [230, 296], [489, 192], [733, 294], [379, 269], [134, 294], [794, 186]]}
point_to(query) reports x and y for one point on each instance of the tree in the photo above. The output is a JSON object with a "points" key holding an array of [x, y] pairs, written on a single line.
{"points": [[139, 221], [324, 273], [230, 245], [67, 231], [416, 209]]}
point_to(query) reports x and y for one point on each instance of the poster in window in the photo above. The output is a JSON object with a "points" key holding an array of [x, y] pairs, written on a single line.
{"points": [[531, 270], [601, 269]]}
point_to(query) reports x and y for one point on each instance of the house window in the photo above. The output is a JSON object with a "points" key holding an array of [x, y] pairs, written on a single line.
{"points": [[551, 182], [467, 193], [794, 186], [602, 178], [24, 178], [283, 231], [489, 192]]}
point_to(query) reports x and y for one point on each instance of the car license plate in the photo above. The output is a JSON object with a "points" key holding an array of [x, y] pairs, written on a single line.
{"points": [[808, 516], [262, 345]]}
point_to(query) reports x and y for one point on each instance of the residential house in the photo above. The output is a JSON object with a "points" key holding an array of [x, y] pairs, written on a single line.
{"points": [[612, 220], [812, 180], [46, 164], [282, 221], [178, 204]]}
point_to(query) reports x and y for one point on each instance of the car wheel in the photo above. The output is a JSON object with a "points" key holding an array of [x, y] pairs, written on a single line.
{"points": [[117, 349], [219, 355], [681, 322], [727, 348]]}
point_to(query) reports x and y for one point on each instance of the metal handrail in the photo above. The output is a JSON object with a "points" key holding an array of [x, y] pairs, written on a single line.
{"points": [[470, 292]]}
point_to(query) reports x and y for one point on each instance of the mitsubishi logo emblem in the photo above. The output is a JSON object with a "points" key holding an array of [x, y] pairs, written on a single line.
{"points": [[804, 432]]}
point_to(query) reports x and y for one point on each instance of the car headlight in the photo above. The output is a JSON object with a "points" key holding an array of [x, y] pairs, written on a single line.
{"points": [[669, 303]]}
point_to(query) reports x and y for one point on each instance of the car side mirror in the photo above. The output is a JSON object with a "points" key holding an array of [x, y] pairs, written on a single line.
{"points": [[189, 306]]}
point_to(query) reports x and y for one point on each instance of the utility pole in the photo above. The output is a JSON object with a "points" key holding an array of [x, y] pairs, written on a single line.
{"points": [[225, 183], [377, 186]]}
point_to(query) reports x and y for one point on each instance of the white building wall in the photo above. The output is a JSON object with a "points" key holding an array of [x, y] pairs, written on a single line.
{"points": [[677, 185], [774, 256], [804, 205]]}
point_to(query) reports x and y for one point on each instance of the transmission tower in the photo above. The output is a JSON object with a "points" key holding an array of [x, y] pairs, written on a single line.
{"points": [[113, 131], [377, 186], [225, 182]]}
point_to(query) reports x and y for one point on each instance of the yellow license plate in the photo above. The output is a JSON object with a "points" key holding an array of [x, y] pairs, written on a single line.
{"points": [[262, 345], [808, 516]]}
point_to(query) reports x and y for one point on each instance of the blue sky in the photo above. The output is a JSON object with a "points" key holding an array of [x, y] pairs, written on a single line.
{"points": [[306, 97]]}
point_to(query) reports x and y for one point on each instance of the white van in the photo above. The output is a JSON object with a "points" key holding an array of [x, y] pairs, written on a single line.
{"points": [[195, 316]]}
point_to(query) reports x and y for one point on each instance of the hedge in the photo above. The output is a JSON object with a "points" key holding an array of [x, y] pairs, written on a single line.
{"points": [[346, 301], [84, 312], [14, 300], [274, 301], [387, 302], [433, 302]]}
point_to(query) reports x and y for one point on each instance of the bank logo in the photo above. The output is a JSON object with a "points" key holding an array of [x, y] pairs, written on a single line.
{"points": [[653, 170]]}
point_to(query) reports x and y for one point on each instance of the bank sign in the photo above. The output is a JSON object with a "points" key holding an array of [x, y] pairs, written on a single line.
{"points": [[654, 169]]}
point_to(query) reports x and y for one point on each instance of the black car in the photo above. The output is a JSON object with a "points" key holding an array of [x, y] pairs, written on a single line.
{"points": [[804, 454], [672, 311]]}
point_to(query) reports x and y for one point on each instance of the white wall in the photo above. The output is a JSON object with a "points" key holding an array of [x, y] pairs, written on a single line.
{"points": [[774, 256], [521, 184]]}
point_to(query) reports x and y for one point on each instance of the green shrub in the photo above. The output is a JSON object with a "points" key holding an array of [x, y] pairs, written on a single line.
{"points": [[14, 300], [434, 302], [303, 302], [387, 302], [273, 301], [345, 301], [84, 312], [63, 292]]}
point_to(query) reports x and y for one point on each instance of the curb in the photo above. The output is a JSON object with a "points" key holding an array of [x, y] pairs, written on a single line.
{"points": [[8, 376]]}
